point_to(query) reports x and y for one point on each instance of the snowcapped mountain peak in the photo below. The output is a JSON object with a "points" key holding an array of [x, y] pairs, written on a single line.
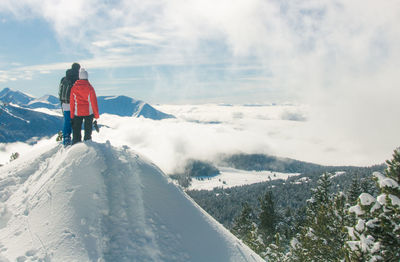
{"points": [[127, 106], [95, 202], [7, 95], [8, 90], [4, 91], [119, 98], [46, 99], [19, 98]]}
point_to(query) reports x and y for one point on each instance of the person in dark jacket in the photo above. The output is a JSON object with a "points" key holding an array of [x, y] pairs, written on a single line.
{"points": [[65, 86], [75, 72], [83, 107]]}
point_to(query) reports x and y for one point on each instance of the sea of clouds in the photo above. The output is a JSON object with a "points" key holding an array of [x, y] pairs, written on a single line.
{"points": [[207, 131]]}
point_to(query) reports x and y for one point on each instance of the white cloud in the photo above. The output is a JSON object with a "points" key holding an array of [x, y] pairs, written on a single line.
{"points": [[339, 56], [23, 149], [205, 131], [302, 44], [7, 76]]}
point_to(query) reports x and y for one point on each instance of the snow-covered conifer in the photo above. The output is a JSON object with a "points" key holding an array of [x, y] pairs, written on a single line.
{"points": [[354, 190], [268, 218], [376, 236], [245, 229], [275, 252], [321, 238]]}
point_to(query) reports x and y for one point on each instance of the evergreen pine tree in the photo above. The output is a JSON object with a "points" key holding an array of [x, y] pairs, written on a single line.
{"points": [[354, 191], [275, 252], [268, 218], [322, 237], [393, 169], [245, 229], [368, 186], [361, 244], [376, 236], [242, 224], [286, 227]]}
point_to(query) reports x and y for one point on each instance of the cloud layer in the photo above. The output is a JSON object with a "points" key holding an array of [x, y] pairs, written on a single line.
{"points": [[340, 57], [206, 131], [298, 45]]}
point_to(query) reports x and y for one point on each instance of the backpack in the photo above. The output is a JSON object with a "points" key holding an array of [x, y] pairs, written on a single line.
{"points": [[65, 90]]}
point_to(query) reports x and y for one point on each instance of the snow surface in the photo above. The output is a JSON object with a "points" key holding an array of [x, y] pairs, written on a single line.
{"points": [[394, 199], [357, 210], [53, 112], [45, 100], [95, 202], [6, 110], [338, 173], [230, 177], [366, 199], [385, 181], [360, 225]]}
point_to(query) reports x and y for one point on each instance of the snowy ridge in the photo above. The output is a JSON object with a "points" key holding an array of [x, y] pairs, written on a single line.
{"points": [[22, 124], [8, 95], [15, 116], [139, 106], [94, 202], [47, 101]]}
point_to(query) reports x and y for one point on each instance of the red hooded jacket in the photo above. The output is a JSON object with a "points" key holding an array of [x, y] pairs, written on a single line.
{"points": [[83, 100]]}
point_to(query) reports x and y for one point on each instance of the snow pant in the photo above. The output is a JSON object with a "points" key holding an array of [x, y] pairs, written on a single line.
{"points": [[77, 127], [67, 129]]}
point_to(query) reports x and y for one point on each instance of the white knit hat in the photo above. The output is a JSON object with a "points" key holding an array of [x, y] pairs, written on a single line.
{"points": [[83, 74]]}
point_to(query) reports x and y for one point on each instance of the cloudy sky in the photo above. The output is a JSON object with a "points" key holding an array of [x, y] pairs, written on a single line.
{"points": [[189, 50], [341, 57]]}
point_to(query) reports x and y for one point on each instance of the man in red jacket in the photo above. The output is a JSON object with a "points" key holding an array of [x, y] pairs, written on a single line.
{"points": [[83, 104]]}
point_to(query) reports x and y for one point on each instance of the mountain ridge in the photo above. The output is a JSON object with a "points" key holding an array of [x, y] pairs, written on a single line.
{"points": [[94, 202], [118, 105], [22, 124], [20, 119]]}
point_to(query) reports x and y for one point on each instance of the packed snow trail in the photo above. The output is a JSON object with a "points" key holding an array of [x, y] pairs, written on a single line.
{"points": [[94, 202]]}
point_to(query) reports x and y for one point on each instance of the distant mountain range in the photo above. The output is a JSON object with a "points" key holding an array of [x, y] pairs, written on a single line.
{"points": [[116, 105], [19, 98], [23, 124], [20, 122]]}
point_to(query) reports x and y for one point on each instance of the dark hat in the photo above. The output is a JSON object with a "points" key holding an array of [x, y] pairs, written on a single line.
{"points": [[75, 67]]}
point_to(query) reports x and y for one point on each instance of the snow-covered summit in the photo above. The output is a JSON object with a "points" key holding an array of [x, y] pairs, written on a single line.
{"points": [[94, 202], [8, 95], [47, 101], [19, 98], [127, 106]]}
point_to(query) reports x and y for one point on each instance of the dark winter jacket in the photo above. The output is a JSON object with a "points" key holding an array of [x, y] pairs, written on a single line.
{"points": [[83, 100], [66, 84]]}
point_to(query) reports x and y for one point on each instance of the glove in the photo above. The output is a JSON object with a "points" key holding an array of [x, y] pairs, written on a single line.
{"points": [[96, 126]]}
